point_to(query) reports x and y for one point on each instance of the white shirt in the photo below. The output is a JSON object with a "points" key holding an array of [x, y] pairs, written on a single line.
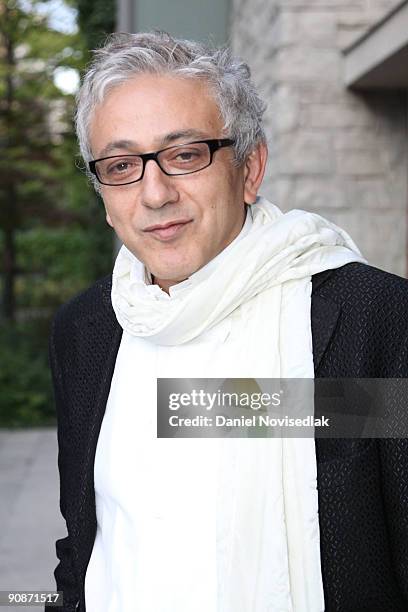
{"points": [[155, 547]]}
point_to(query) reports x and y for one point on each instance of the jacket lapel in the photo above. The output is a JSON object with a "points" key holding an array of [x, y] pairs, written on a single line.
{"points": [[324, 316]]}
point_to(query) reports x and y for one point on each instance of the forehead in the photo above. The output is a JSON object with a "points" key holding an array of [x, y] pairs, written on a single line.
{"points": [[147, 108]]}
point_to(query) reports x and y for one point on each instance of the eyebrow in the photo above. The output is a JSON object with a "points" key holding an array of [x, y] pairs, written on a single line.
{"points": [[162, 142]]}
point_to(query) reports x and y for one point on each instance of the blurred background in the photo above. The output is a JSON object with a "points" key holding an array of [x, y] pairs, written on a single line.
{"points": [[335, 76]]}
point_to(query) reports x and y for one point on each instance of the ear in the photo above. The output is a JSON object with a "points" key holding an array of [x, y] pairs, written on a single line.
{"points": [[254, 171]]}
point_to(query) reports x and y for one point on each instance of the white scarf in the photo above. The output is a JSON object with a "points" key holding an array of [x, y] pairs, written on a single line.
{"points": [[267, 524]]}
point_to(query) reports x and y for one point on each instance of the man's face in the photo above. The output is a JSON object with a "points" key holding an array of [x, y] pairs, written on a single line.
{"points": [[173, 224]]}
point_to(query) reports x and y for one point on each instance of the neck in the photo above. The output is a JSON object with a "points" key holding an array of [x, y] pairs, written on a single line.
{"points": [[165, 284]]}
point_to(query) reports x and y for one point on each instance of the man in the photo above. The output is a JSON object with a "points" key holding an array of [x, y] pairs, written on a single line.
{"points": [[214, 281]]}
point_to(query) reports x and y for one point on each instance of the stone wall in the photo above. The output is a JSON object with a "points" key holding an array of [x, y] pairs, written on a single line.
{"points": [[340, 153]]}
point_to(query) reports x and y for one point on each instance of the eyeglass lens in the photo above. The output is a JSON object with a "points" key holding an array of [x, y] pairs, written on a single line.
{"points": [[182, 159]]}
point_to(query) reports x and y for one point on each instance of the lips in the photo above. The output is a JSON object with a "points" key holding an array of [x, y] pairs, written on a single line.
{"points": [[167, 231]]}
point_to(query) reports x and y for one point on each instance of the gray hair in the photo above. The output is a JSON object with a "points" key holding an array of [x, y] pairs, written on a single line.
{"points": [[125, 55]]}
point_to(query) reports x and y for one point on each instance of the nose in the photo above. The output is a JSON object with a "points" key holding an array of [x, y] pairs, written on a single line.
{"points": [[158, 189]]}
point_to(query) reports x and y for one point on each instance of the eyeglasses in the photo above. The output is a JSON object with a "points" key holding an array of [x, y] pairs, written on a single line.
{"points": [[173, 161]]}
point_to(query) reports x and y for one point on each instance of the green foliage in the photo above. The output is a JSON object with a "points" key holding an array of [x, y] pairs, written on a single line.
{"points": [[96, 19], [60, 259], [26, 394], [34, 115], [62, 265], [54, 240]]}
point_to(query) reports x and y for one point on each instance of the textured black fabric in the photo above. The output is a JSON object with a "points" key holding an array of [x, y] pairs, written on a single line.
{"points": [[359, 329]]}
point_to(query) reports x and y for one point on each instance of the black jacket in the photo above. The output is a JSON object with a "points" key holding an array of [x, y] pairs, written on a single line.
{"points": [[359, 329]]}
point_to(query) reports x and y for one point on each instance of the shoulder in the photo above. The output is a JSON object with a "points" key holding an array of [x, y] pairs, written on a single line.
{"points": [[85, 305], [358, 285], [371, 331]]}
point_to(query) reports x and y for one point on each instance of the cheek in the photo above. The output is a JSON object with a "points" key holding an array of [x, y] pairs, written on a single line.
{"points": [[208, 223], [108, 218], [118, 211]]}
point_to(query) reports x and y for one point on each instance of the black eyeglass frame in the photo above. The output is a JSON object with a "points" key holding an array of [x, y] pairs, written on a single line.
{"points": [[213, 145]]}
